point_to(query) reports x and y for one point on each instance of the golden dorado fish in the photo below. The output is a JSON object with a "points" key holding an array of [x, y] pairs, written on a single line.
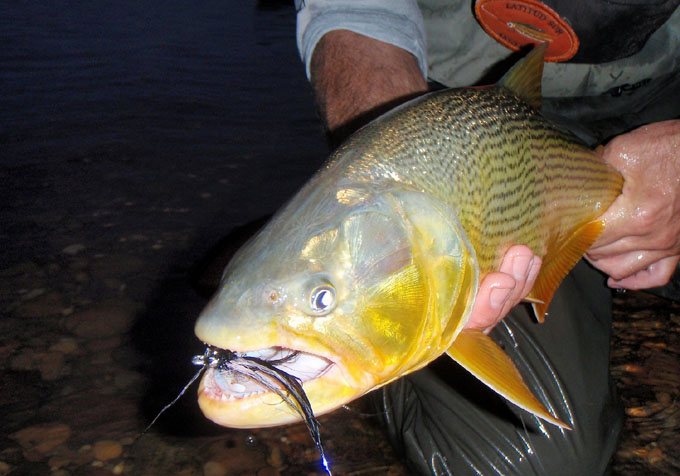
{"points": [[371, 270]]}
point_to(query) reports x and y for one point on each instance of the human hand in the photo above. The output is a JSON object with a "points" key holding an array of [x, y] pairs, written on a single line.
{"points": [[501, 291], [640, 246]]}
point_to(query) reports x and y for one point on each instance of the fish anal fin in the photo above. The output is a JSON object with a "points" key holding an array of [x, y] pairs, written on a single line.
{"points": [[484, 359], [524, 79], [558, 262]]}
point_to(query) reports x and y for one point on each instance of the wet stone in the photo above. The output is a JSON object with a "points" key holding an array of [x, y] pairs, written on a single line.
{"points": [[51, 366], [109, 318], [105, 450], [42, 438], [268, 471], [58, 461], [65, 345], [44, 305], [237, 460], [119, 468], [214, 468], [275, 457], [73, 249]]}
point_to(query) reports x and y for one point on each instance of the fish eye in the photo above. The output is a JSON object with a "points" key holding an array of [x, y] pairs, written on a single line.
{"points": [[322, 299]]}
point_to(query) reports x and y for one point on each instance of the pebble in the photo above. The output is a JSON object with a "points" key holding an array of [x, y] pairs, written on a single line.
{"points": [[664, 398], [105, 450], [107, 319], [655, 456], [32, 294], [235, 460], [214, 468], [65, 345], [51, 366], [58, 461], [73, 249], [275, 457], [44, 305], [119, 468], [42, 438]]}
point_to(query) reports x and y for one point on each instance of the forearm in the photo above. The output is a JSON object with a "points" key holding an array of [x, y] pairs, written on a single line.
{"points": [[356, 78]]}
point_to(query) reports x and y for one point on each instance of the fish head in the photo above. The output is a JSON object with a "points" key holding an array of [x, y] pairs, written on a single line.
{"points": [[353, 283]]}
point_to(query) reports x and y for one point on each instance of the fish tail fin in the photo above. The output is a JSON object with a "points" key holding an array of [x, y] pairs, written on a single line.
{"points": [[558, 262], [485, 359]]}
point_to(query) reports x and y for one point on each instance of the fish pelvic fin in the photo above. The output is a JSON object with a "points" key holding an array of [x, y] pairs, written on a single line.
{"points": [[524, 79], [557, 264], [485, 359]]}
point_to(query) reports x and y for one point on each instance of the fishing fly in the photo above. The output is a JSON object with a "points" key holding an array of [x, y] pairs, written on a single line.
{"points": [[264, 372]]}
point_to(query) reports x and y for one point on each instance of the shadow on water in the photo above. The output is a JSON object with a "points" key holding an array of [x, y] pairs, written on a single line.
{"points": [[164, 335]]}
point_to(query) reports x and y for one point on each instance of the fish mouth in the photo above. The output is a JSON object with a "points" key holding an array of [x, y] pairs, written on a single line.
{"points": [[269, 387], [225, 384]]}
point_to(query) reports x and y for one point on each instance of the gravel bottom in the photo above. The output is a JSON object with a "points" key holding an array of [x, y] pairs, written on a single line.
{"points": [[96, 342]]}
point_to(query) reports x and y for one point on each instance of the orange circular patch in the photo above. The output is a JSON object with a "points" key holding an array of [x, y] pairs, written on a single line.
{"points": [[516, 24]]}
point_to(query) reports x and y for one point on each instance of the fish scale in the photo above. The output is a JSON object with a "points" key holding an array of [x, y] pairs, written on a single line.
{"points": [[493, 157]]}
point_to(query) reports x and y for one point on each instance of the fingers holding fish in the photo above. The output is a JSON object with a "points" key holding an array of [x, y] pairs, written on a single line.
{"points": [[641, 242], [656, 274], [501, 291]]}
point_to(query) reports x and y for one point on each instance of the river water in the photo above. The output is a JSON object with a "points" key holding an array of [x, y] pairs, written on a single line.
{"points": [[111, 102], [133, 137]]}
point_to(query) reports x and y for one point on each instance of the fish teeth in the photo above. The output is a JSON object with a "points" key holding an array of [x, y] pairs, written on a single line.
{"points": [[235, 385], [228, 385]]}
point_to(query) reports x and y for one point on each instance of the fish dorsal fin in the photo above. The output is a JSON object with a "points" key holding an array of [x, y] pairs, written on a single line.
{"points": [[484, 359], [557, 263], [524, 79]]}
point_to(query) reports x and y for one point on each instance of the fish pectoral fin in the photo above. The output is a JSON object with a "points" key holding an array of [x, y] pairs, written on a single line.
{"points": [[485, 359], [557, 263]]}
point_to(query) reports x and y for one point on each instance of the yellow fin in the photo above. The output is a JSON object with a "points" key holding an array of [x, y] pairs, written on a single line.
{"points": [[557, 263], [482, 357], [524, 79]]}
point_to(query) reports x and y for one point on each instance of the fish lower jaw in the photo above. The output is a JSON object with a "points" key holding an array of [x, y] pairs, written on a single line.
{"points": [[227, 384]]}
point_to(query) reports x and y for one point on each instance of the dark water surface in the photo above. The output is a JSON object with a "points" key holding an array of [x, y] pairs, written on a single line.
{"points": [[108, 102], [133, 136]]}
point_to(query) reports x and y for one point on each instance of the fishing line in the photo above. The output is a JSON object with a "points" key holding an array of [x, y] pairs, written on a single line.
{"points": [[192, 380], [209, 358], [268, 375]]}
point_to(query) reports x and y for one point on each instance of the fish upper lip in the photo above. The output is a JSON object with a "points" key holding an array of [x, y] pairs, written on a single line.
{"points": [[227, 385]]}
